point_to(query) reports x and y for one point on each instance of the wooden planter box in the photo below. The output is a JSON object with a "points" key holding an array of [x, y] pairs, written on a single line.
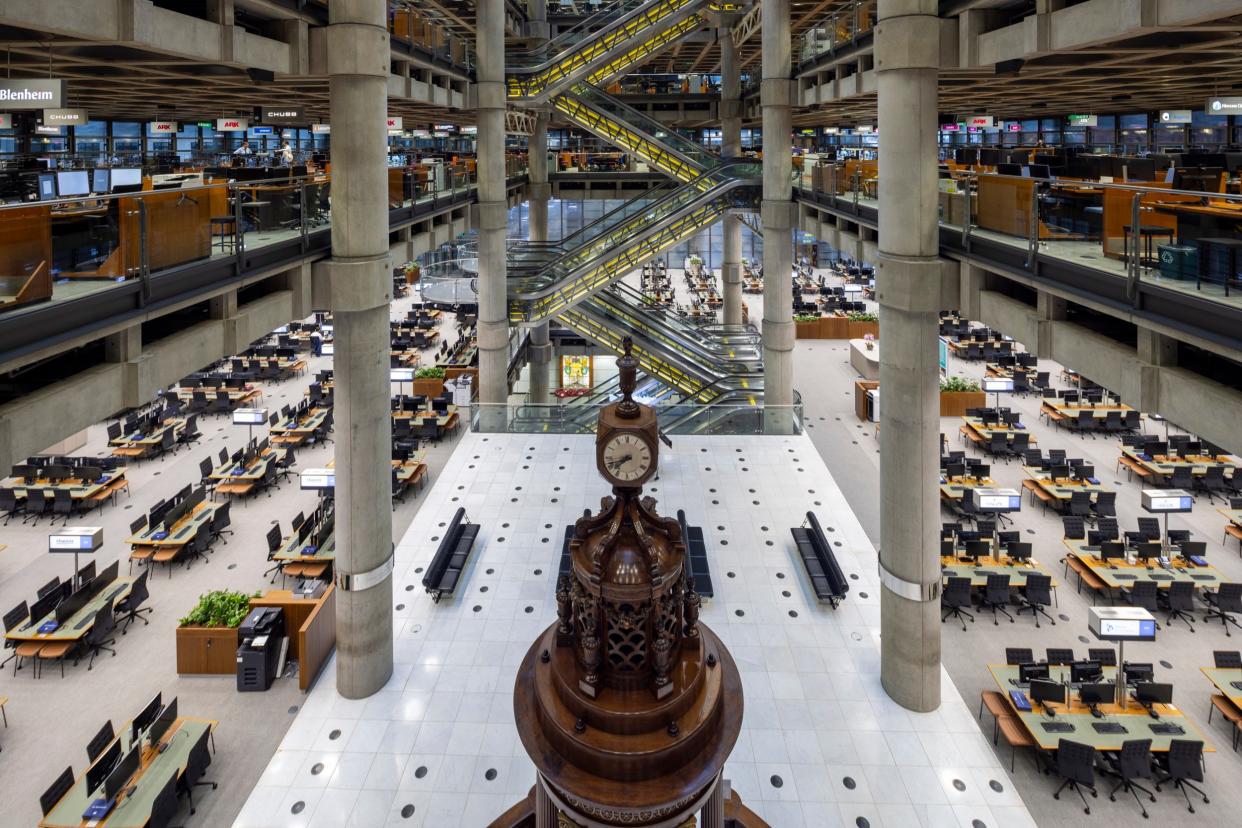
{"points": [[857, 330], [835, 327], [430, 387], [955, 403], [206, 651]]}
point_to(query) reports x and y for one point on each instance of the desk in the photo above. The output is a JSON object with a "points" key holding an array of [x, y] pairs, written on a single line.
{"points": [[1059, 412], [1234, 527], [1224, 679], [1062, 490], [310, 624], [1163, 466], [296, 432], [92, 493], [153, 770], [244, 483], [408, 358], [981, 435], [147, 445], [954, 488], [144, 545], [1133, 718], [238, 397], [443, 421], [80, 623], [1117, 574], [951, 567]]}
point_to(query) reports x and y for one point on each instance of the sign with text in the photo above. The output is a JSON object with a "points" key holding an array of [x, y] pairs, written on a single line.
{"points": [[1013, 126], [6, 121], [232, 124], [1224, 106], [65, 117], [980, 121], [950, 127], [321, 129], [264, 130], [291, 115], [444, 127], [1121, 624], [1082, 120], [1163, 501], [249, 416], [318, 479], [396, 124], [163, 127], [401, 374], [76, 539], [1175, 116], [41, 129], [31, 93]]}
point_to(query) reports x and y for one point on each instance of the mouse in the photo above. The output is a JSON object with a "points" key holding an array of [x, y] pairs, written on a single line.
{"points": [[1151, 711], [1112, 566], [1095, 711]]}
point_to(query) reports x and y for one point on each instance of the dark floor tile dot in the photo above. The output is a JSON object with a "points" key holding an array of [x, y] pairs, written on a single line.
{"points": [[730, 575], [768, 543], [1084, 639], [334, 735], [739, 613], [1166, 665], [978, 823], [490, 774], [407, 810], [316, 768], [232, 566], [724, 543], [959, 784], [417, 570], [849, 783], [530, 609], [780, 575], [477, 608], [862, 595], [776, 781], [419, 773], [793, 613], [435, 537], [538, 571], [400, 607], [298, 807], [786, 593], [763, 528], [1063, 616], [293, 709], [996, 786], [862, 822], [504, 526], [409, 587], [483, 588]]}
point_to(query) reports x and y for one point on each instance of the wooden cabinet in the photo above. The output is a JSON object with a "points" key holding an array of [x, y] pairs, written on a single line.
{"points": [[206, 651]]}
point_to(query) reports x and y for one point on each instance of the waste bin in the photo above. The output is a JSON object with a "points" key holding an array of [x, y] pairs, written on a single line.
{"points": [[1178, 261]]}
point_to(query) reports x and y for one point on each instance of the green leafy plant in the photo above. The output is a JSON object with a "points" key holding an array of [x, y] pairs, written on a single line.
{"points": [[951, 385], [430, 372], [859, 316], [806, 317], [219, 608]]}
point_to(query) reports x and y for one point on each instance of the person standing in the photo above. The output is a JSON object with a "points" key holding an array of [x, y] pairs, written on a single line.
{"points": [[316, 339]]}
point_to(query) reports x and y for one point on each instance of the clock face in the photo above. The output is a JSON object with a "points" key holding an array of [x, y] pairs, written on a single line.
{"points": [[627, 458]]}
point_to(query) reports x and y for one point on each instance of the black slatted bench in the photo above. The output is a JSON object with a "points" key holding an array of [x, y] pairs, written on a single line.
{"points": [[696, 551], [450, 559], [825, 573]]}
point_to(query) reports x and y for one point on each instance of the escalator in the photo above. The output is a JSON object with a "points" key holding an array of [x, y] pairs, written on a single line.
{"points": [[548, 279], [621, 36]]}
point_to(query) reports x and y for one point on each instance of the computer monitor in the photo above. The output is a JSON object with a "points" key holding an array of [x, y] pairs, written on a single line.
{"points": [[164, 721], [98, 772], [1009, 169], [1157, 447], [1028, 672], [1045, 692], [1137, 672], [1193, 549], [946, 547], [1097, 693], [1148, 551], [101, 181], [1019, 551], [1084, 671], [47, 186], [980, 471], [146, 716], [1111, 550], [122, 773], [1084, 471], [73, 183], [1150, 692], [1059, 472], [44, 606], [953, 470], [977, 549], [126, 177]]}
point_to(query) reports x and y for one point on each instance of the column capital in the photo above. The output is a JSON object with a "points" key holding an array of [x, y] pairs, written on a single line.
{"points": [[905, 43], [908, 283], [357, 284], [357, 49]]}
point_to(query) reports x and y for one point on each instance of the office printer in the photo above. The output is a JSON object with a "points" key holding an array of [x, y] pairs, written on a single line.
{"points": [[262, 637]]}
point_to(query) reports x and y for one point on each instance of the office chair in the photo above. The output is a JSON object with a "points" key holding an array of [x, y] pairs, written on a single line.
{"points": [[9, 504], [1080, 505], [196, 548], [298, 520], [37, 505], [100, 741], [1035, 596], [1183, 765], [274, 538], [1144, 594], [12, 619], [1227, 659], [999, 445], [196, 766], [1076, 767], [1212, 483], [1075, 528], [1179, 600], [190, 433], [224, 456], [98, 639], [284, 465], [56, 791], [168, 442], [131, 607], [164, 807], [1150, 528], [996, 596], [1019, 655], [1181, 478], [1059, 656], [955, 597], [1222, 604], [1105, 504], [1132, 762], [48, 588]]}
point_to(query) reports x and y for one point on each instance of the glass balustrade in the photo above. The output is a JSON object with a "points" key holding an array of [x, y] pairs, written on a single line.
{"points": [[838, 29]]}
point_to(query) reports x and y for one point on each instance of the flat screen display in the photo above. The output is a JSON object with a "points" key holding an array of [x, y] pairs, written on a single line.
{"points": [[126, 177], [100, 181], [73, 183]]}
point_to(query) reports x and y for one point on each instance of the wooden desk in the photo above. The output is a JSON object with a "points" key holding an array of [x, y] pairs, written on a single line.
{"points": [[134, 811], [1118, 574], [1135, 720], [408, 358], [243, 484], [1227, 681], [952, 567], [149, 444], [144, 545], [1163, 466], [93, 493], [980, 434], [953, 488], [79, 624], [297, 432], [1063, 489], [238, 398], [310, 624], [1060, 412]]}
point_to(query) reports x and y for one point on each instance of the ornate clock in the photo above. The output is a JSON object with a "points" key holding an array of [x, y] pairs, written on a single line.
{"points": [[627, 437]]}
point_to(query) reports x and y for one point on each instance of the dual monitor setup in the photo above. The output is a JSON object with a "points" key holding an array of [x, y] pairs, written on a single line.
{"points": [[1087, 677], [106, 778], [82, 183]]}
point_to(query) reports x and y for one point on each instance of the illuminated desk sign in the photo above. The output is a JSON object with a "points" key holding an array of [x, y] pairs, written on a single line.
{"points": [[321, 129], [998, 500], [1082, 120], [327, 349], [997, 384], [401, 374], [262, 130], [65, 117], [1220, 106], [249, 416], [1164, 501], [232, 124], [31, 93], [981, 122], [1121, 623], [291, 115], [396, 124], [318, 479], [1175, 116], [76, 540], [162, 127]]}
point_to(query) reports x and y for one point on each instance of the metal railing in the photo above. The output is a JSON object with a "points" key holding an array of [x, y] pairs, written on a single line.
{"points": [[837, 29], [674, 418]]}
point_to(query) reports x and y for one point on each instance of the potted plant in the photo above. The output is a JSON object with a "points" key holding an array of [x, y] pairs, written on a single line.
{"points": [[958, 394], [207, 635], [860, 324], [429, 381], [806, 326], [869, 341], [412, 272]]}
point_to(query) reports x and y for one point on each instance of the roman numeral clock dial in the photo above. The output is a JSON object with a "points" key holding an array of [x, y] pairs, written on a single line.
{"points": [[627, 458]]}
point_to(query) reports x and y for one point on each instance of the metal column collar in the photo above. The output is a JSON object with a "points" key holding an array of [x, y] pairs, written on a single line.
{"points": [[359, 581], [910, 590]]}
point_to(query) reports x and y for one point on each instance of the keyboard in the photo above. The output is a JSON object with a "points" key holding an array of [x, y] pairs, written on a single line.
{"points": [[1160, 576], [1125, 576], [1203, 577], [1057, 727], [1236, 685], [88, 619], [1109, 727], [1163, 729]]}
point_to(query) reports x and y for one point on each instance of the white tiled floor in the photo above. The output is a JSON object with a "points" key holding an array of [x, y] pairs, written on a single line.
{"points": [[815, 717]]}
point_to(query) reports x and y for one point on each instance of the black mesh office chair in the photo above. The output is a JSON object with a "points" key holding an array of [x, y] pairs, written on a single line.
{"points": [[1076, 767], [1183, 766], [1060, 656], [955, 599], [100, 741], [1227, 659], [196, 765], [1179, 600], [220, 522], [1223, 604], [99, 637], [1144, 594], [1105, 504], [1132, 762], [284, 465], [1075, 528], [130, 608], [37, 505], [996, 596], [1036, 597], [12, 620], [1080, 505], [164, 806], [9, 504], [197, 547], [1019, 655], [1106, 656], [57, 790], [1182, 478]]}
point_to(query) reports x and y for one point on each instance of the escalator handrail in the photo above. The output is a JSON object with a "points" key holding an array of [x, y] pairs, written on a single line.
{"points": [[598, 99], [567, 38]]}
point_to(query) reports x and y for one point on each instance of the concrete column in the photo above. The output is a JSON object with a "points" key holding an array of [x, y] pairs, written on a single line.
{"points": [[973, 282], [776, 98], [220, 11], [299, 281], [908, 291], [540, 366], [493, 215], [361, 290], [540, 189], [124, 345], [1049, 310], [712, 813], [537, 20], [1156, 349], [731, 147], [223, 306]]}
